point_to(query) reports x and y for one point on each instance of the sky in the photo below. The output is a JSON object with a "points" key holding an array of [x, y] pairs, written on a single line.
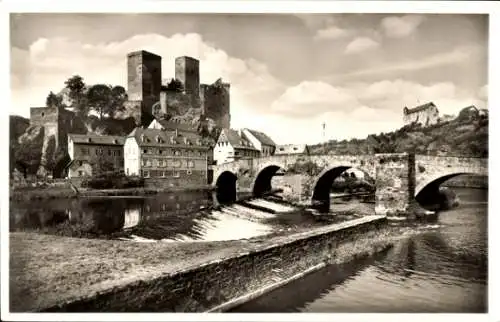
{"points": [[289, 74]]}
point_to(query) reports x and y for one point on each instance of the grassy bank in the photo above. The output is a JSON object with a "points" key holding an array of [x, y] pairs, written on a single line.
{"points": [[26, 194], [46, 270]]}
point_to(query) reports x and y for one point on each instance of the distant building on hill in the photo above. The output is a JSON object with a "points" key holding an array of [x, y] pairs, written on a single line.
{"points": [[426, 114]]}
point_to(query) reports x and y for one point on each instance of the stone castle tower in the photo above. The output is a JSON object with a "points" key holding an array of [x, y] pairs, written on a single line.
{"points": [[187, 70], [143, 83]]}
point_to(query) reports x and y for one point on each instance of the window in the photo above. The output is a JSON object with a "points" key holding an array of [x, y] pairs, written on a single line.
{"points": [[176, 174], [80, 163], [80, 173], [188, 172], [119, 153], [148, 163], [109, 152], [190, 164], [160, 151], [163, 174], [176, 152], [145, 151], [43, 114], [145, 174], [143, 163], [236, 153]]}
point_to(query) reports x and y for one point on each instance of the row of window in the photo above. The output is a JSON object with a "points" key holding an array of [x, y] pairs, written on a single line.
{"points": [[102, 151], [80, 162], [173, 152], [165, 173], [163, 163]]}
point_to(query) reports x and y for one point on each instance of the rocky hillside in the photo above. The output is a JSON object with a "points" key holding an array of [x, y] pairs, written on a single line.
{"points": [[466, 135]]}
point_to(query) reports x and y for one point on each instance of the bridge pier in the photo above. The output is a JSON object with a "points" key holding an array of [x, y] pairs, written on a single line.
{"points": [[395, 184]]}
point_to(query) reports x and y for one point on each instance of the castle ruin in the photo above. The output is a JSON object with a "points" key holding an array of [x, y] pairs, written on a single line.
{"points": [[149, 97]]}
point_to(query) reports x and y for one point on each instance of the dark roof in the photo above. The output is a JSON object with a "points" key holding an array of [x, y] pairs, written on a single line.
{"points": [[262, 137], [149, 137], [419, 108], [234, 138], [171, 125], [186, 58], [97, 139], [291, 149]]}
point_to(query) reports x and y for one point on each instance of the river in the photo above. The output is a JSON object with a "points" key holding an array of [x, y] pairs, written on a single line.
{"points": [[441, 269]]}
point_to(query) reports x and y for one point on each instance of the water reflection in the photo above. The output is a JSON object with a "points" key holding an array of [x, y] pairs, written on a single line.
{"points": [[167, 217]]}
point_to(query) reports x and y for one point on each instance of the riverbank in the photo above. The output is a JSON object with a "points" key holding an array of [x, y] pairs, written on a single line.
{"points": [[37, 193], [48, 270]]}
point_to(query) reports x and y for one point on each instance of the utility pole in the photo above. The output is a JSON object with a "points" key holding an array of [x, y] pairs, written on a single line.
{"points": [[324, 138]]}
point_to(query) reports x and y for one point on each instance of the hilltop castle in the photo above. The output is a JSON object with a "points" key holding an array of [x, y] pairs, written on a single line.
{"points": [[149, 97]]}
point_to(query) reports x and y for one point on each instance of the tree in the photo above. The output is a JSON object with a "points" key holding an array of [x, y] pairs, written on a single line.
{"points": [[175, 85], [118, 98], [99, 97], [76, 88], [101, 165], [53, 100]]}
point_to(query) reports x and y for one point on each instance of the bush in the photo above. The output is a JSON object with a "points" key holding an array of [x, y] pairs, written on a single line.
{"points": [[113, 180]]}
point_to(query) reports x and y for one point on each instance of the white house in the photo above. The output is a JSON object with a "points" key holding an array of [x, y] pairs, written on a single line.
{"points": [[232, 145], [261, 141], [292, 149]]}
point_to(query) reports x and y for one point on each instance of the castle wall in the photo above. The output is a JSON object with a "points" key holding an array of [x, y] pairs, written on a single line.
{"points": [[216, 103]]}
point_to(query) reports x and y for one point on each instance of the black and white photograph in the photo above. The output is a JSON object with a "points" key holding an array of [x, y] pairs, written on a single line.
{"points": [[238, 161]]}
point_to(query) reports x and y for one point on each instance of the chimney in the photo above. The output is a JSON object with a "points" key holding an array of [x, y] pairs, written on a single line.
{"points": [[239, 132], [176, 132]]}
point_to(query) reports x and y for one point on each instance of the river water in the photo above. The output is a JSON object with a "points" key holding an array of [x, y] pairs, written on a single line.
{"points": [[441, 269]]}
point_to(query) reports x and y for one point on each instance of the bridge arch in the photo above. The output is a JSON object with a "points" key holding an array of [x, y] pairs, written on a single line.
{"points": [[225, 187], [321, 187], [263, 178]]}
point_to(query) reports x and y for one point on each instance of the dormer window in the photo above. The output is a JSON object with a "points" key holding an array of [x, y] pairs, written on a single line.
{"points": [[159, 139], [143, 138], [89, 140], [172, 140], [115, 141], [198, 142], [186, 141]]}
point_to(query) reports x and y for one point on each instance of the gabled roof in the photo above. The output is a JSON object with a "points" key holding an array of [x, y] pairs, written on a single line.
{"points": [[291, 149], [419, 108], [262, 137], [97, 139], [166, 138], [234, 138]]}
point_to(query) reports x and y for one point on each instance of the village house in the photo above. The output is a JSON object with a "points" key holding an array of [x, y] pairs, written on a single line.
{"points": [[261, 141], [233, 145], [166, 154], [426, 114], [292, 149], [85, 151]]}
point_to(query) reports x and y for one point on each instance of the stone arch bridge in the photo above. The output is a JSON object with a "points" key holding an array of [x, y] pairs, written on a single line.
{"points": [[400, 178]]}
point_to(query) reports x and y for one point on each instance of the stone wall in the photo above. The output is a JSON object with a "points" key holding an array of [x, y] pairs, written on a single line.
{"points": [[395, 184], [195, 178], [213, 285]]}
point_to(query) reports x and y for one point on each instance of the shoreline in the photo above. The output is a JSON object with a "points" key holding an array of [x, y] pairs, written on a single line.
{"points": [[26, 194]]}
